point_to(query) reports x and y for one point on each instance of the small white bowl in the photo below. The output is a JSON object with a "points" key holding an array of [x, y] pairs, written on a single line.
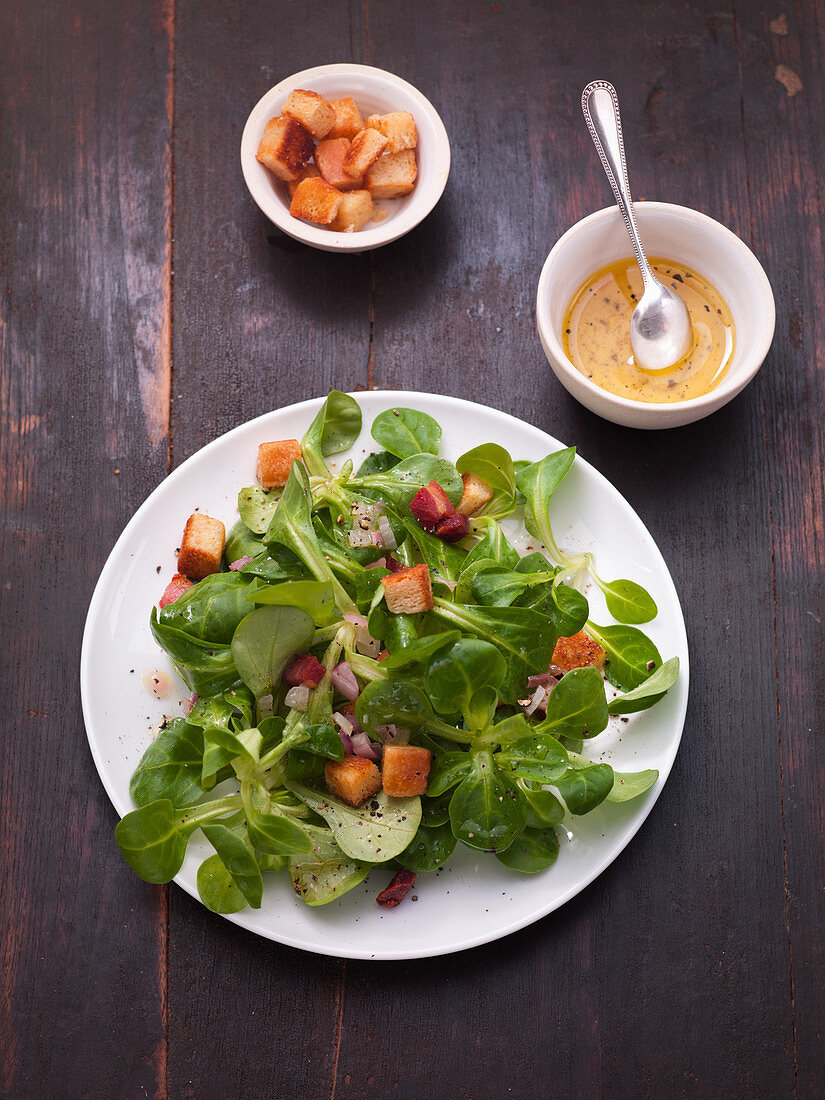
{"points": [[675, 233], [375, 92]]}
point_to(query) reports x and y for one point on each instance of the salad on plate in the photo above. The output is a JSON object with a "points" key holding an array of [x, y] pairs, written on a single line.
{"points": [[379, 674]]}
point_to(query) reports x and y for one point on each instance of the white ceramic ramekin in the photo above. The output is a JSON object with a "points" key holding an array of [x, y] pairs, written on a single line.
{"points": [[675, 233], [375, 92]]}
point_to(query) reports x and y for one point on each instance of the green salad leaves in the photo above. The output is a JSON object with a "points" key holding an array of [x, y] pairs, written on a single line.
{"points": [[299, 667]]}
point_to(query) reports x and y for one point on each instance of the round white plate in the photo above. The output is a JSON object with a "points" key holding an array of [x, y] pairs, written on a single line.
{"points": [[473, 899]]}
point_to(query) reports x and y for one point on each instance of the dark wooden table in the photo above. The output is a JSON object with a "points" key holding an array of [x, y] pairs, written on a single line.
{"points": [[147, 306]]}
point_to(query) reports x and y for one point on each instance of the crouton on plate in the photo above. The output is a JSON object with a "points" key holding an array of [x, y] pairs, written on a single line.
{"points": [[475, 495], [311, 110], [285, 148], [201, 547], [398, 128], [355, 210], [275, 461], [315, 201], [405, 770], [348, 119], [409, 590], [578, 651], [353, 779], [329, 156], [366, 147]]}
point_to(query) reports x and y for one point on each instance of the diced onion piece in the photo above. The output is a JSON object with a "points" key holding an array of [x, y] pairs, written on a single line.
{"points": [[362, 746], [298, 697], [343, 724], [354, 618], [343, 680], [380, 564], [347, 741], [376, 538], [358, 538], [539, 696], [387, 535], [365, 644], [240, 563], [393, 735], [265, 706]]}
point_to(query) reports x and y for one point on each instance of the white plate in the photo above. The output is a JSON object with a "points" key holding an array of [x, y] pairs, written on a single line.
{"points": [[473, 899]]}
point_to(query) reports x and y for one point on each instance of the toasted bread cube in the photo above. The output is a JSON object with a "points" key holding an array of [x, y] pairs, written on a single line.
{"points": [[475, 495], [354, 211], [275, 461], [308, 173], [201, 547], [578, 651], [315, 201], [367, 146], [329, 156], [409, 590], [285, 148], [348, 119], [311, 110], [392, 176], [405, 770], [398, 128], [353, 779]]}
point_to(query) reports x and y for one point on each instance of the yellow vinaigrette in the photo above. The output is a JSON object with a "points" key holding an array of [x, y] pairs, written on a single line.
{"points": [[596, 333]]}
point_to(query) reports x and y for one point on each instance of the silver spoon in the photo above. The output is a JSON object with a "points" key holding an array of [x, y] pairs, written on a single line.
{"points": [[660, 330]]}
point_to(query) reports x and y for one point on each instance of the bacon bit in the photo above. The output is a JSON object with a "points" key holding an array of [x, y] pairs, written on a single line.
{"points": [[397, 890], [306, 670], [383, 655], [431, 504], [175, 588], [452, 528], [394, 565]]}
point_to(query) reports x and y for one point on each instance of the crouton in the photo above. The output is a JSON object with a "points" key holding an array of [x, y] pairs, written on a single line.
{"points": [[475, 495], [578, 651], [398, 128], [329, 156], [311, 110], [392, 176], [201, 547], [315, 201], [275, 461], [285, 148], [409, 590], [308, 173], [348, 119], [176, 587], [367, 146], [353, 779], [355, 210], [405, 769]]}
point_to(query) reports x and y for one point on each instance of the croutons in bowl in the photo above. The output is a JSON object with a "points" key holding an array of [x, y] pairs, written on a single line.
{"points": [[376, 93]]}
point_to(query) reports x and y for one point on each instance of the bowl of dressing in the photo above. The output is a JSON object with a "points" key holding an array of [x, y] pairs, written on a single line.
{"points": [[590, 285]]}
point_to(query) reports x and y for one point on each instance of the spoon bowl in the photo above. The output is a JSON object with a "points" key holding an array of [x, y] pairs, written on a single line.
{"points": [[660, 330]]}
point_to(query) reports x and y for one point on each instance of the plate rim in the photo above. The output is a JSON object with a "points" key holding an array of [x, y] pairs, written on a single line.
{"points": [[243, 920]]}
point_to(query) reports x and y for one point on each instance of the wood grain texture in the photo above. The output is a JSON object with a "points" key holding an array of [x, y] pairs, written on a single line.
{"points": [[698, 896], [785, 150], [147, 306], [84, 372], [261, 321]]}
